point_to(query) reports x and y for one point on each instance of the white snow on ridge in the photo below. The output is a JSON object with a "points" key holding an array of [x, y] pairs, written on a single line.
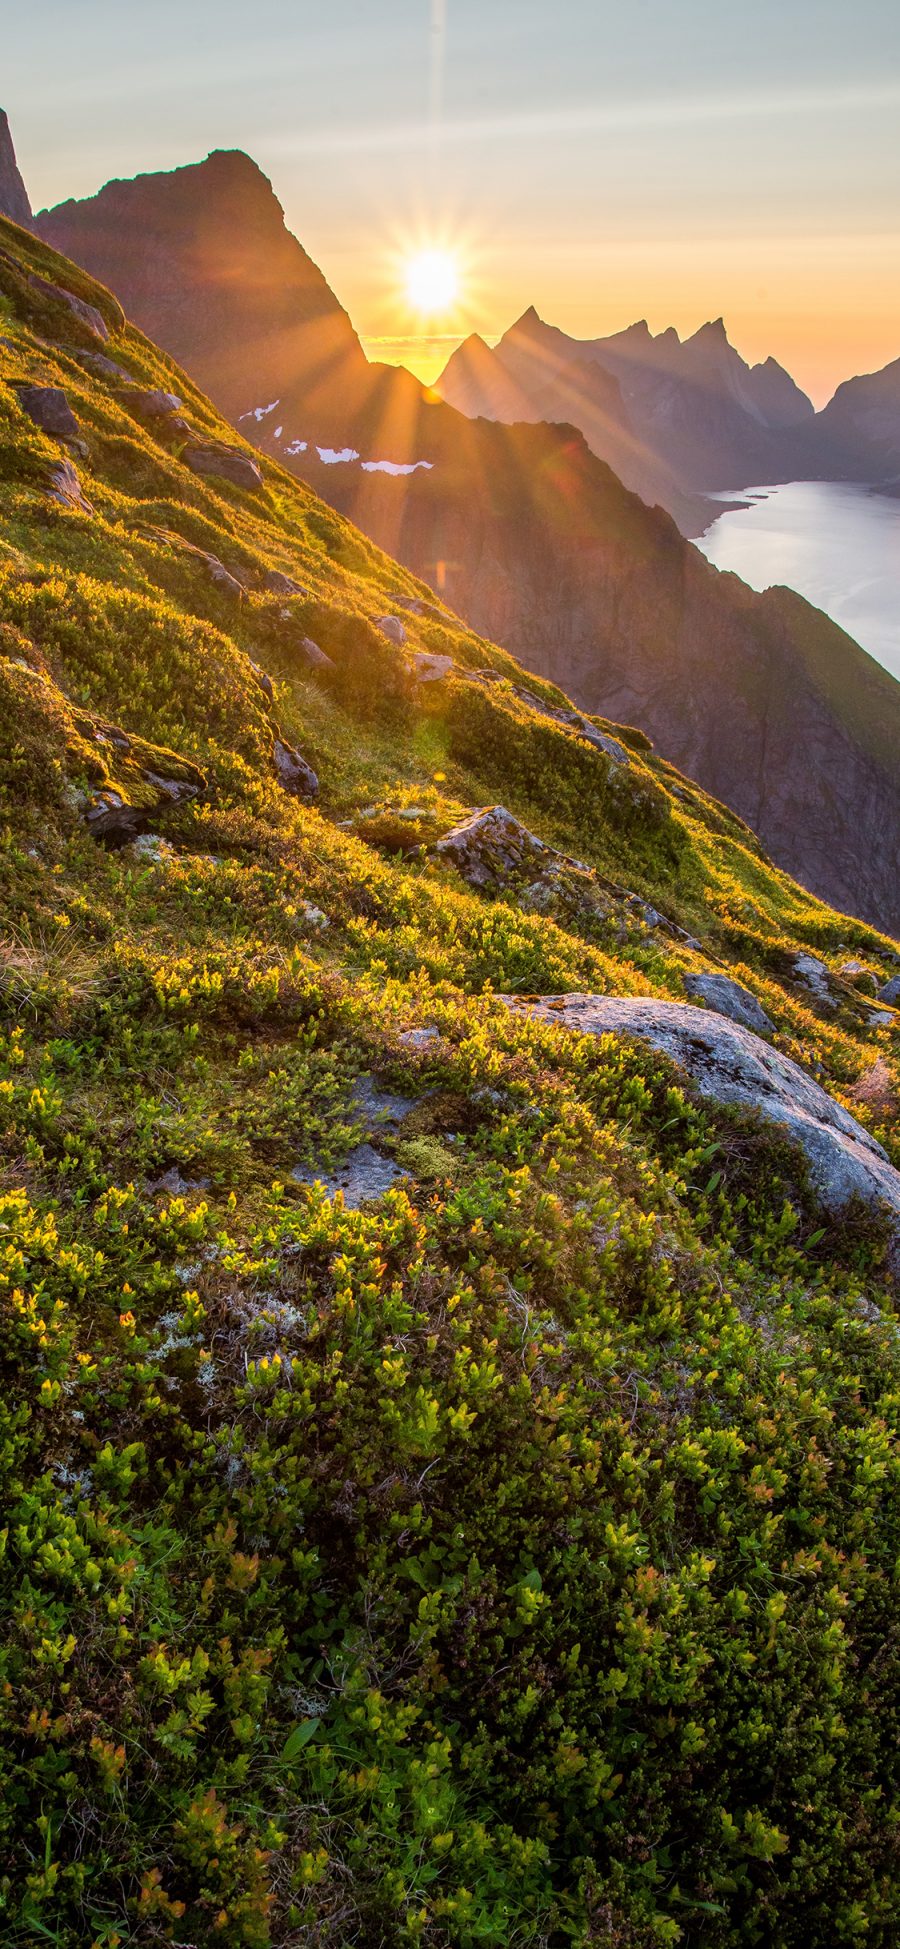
{"points": [[258, 413], [296, 446], [333, 455], [394, 466], [278, 432]]}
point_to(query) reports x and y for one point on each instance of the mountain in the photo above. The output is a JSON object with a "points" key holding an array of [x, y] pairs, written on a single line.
{"points": [[857, 435], [13, 194], [521, 527], [695, 411], [447, 1437], [527, 378]]}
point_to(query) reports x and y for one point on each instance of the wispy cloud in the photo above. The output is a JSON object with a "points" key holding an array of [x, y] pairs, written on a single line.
{"points": [[581, 118]]}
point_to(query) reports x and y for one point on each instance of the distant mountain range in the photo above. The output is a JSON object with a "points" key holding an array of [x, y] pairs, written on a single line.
{"points": [[523, 527], [694, 409]]}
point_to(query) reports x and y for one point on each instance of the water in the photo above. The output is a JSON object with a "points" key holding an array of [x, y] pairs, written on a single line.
{"points": [[834, 542]]}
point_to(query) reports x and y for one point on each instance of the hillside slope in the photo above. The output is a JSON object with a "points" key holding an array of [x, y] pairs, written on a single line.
{"points": [[521, 528], [450, 1460]]}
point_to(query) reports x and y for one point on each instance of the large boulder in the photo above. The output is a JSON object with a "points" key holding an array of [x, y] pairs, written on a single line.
{"points": [[891, 990], [731, 1065], [86, 315], [392, 628], [729, 998], [49, 408], [492, 848], [225, 463], [294, 774]]}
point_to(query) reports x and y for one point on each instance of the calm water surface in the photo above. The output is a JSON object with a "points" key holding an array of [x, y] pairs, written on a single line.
{"points": [[834, 542]]}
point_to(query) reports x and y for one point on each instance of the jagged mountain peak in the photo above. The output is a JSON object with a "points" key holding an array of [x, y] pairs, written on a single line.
{"points": [[14, 202]]}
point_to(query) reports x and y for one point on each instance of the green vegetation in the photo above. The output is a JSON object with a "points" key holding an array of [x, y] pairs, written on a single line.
{"points": [[512, 1560]]}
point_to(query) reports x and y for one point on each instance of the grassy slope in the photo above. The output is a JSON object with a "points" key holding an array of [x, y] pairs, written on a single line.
{"points": [[511, 1561]]}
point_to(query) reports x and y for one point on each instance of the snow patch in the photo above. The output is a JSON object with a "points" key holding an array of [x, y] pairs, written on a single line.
{"points": [[258, 413], [278, 432], [333, 455], [296, 446], [394, 466]]}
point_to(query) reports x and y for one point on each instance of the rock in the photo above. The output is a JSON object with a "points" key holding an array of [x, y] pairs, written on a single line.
{"points": [[282, 585], [263, 679], [313, 916], [293, 771], [49, 408], [365, 1174], [151, 846], [392, 628], [891, 990], [730, 1064], [492, 847], [175, 790], [173, 1185], [14, 201], [429, 668], [859, 976], [110, 817], [65, 487], [105, 368], [814, 976], [381, 1109], [419, 1038], [222, 577], [225, 463], [151, 404], [729, 998], [87, 315], [876, 1089], [311, 654]]}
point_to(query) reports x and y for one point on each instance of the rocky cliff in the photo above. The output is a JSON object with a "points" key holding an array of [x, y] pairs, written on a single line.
{"points": [[13, 194]]}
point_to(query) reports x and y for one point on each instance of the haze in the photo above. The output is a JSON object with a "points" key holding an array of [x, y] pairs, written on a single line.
{"points": [[600, 162]]}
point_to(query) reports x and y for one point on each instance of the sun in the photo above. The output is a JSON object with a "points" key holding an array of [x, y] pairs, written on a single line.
{"points": [[432, 281]]}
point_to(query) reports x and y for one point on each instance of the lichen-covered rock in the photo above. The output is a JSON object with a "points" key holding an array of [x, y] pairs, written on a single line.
{"points": [[364, 1175], [731, 1065], [429, 668], [49, 408], [313, 656], [225, 463], [296, 776], [280, 584], [392, 628], [152, 403], [814, 975], [891, 990], [86, 315], [729, 998], [492, 847], [64, 486]]}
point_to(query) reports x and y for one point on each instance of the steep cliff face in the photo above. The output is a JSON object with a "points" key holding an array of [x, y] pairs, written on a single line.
{"points": [[206, 265], [14, 201]]}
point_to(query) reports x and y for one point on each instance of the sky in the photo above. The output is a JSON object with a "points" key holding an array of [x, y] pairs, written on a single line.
{"points": [[676, 160]]}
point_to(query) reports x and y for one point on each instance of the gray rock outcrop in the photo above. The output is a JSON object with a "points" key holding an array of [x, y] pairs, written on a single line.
{"points": [[224, 463], [492, 847], [729, 998], [730, 1064]]}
